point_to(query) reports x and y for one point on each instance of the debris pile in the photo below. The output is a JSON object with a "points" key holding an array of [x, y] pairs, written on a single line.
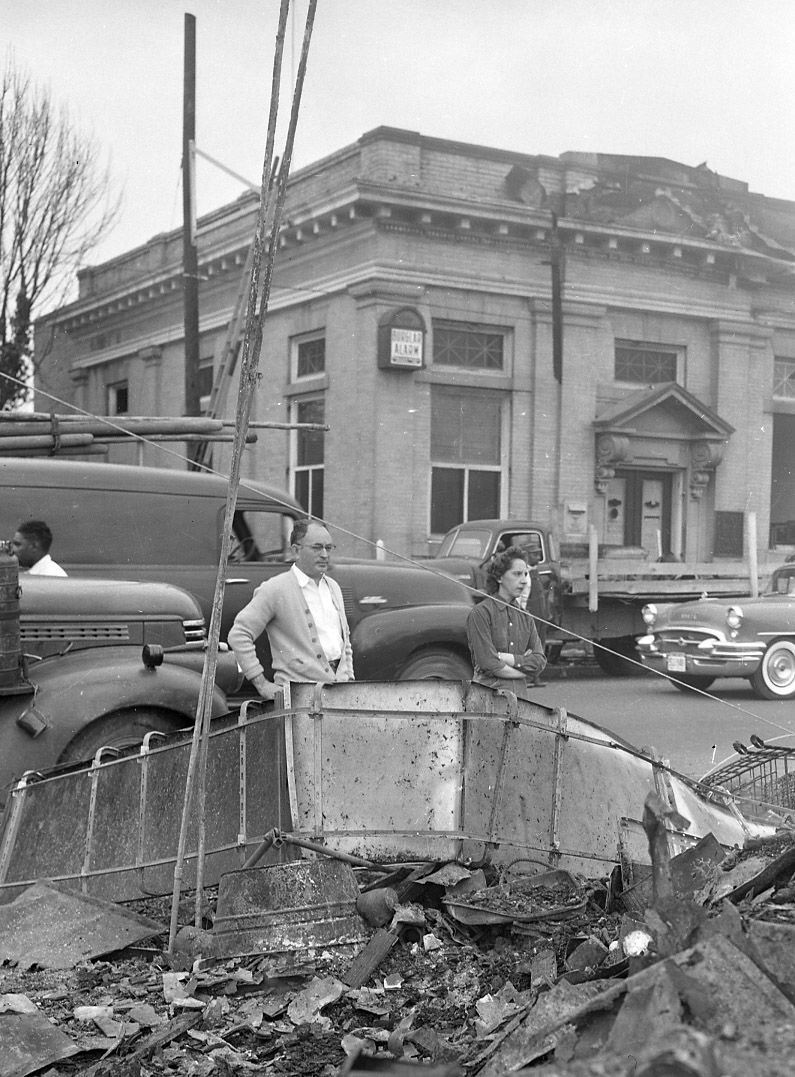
{"points": [[688, 970]]}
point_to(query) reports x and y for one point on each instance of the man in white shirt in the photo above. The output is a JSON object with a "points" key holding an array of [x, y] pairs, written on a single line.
{"points": [[304, 615], [31, 546]]}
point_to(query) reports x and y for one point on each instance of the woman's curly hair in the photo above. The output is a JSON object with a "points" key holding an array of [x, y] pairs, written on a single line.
{"points": [[499, 565]]}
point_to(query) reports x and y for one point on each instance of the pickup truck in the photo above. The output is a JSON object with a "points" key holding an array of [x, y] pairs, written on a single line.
{"points": [[599, 600], [465, 552]]}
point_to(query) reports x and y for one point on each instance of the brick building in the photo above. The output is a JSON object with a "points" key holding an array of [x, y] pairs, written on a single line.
{"points": [[412, 311]]}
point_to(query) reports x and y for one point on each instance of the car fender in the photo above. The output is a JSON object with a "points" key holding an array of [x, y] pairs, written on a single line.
{"points": [[383, 641], [72, 691]]}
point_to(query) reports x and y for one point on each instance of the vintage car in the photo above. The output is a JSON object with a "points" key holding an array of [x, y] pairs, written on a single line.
{"points": [[696, 642], [87, 663]]}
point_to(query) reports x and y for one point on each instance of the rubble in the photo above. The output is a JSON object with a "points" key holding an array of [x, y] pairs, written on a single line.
{"points": [[689, 971]]}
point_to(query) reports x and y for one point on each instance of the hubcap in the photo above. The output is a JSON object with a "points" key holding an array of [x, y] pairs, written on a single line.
{"points": [[781, 669]]}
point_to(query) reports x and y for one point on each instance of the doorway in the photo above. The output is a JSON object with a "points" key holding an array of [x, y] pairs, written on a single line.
{"points": [[638, 511]]}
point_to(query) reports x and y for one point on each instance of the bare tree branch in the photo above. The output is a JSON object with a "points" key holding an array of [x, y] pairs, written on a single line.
{"points": [[56, 203]]}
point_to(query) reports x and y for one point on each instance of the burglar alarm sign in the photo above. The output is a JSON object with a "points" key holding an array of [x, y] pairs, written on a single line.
{"points": [[401, 343]]}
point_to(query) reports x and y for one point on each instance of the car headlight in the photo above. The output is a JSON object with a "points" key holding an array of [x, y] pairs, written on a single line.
{"points": [[649, 614], [734, 616]]}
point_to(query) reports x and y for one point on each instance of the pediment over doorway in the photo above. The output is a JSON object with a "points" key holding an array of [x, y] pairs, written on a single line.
{"points": [[662, 427]]}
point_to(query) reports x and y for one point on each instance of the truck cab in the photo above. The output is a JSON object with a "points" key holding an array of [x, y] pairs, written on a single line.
{"points": [[466, 550]]}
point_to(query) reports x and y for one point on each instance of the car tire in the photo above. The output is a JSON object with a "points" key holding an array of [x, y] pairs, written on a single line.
{"points": [[618, 656], [685, 681], [122, 729], [436, 665], [775, 678]]}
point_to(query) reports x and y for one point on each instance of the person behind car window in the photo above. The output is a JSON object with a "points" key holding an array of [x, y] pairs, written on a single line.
{"points": [[503, 639], [302, 611], [31, 546]]}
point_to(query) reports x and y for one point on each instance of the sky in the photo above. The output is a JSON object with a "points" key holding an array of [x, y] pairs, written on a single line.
{"points": [[693, 80]]}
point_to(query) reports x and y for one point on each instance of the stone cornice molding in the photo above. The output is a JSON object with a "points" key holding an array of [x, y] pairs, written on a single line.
{"points": [[741, 333]]}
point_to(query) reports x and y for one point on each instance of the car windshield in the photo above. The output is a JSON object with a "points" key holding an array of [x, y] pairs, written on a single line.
{"points": [[783, 583], [466, 544], [529, 541]]}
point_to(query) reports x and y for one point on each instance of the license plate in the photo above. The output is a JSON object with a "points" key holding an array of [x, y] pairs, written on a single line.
{"points": [[676, 663]]}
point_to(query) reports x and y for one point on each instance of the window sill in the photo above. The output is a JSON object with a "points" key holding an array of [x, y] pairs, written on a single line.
{"points": [[317, 383], [452, 376]]}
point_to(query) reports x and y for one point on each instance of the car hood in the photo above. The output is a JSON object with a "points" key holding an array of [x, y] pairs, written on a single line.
{"points": [[711, 612], [48, 595]]}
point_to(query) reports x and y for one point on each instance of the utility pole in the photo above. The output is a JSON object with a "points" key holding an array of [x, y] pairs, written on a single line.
{"points": [[190, 256]]}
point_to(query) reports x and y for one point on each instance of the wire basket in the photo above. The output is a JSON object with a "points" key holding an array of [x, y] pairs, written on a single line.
{"points": [[759, 775]]}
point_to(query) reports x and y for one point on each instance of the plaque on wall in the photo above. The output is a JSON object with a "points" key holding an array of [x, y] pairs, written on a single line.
{"points": [[729, 534], [401, 340]]}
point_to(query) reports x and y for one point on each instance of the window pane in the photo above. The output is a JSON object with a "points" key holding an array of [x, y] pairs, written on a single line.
{"points": [[484, 495], [316, 503], [648, 366], [311, 357], [204, 379], [447, 498], [302, 489], [473, 349], [310, 443], [784, 378], [465, 427], [480, 434], [118, 399]]}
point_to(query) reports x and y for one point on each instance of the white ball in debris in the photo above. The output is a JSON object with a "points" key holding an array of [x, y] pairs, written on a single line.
{"points": [[637, 943]]}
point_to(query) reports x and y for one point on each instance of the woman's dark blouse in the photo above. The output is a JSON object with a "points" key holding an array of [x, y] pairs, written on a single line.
{"points": [[494, 626]]}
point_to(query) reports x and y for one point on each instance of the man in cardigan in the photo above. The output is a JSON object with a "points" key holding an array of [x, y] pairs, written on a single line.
{"points": [[303, 613]]}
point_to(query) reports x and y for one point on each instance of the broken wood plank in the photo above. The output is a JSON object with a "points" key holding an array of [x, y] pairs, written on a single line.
{"points": [[367, 960], [159, 1038]]}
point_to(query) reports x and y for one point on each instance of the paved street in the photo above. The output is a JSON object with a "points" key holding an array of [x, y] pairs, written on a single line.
{"points": [[683, 727]]}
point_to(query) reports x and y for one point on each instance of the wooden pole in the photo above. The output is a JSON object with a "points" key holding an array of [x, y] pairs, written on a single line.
{"points": [[247, 384], [190, 255], [271, 213], [753, 553]]}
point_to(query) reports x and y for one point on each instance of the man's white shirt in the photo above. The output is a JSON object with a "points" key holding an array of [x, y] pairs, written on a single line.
{"points": [[45, 566], [324, 613]]}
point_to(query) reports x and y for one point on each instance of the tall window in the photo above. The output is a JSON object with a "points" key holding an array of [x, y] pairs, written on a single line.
{"points": [[467, 347], [646, 364], [205, 383], [118, 398], [308, 356], [309, 448], [466, 456]]}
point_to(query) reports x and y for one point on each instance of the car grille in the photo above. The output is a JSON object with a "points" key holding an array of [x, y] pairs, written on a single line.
{"points": [[683, 640], [347, 599], [195, 631], [63, 633]]}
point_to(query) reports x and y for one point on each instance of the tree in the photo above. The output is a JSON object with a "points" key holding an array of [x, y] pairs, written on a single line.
{"points": [[56, 203]]}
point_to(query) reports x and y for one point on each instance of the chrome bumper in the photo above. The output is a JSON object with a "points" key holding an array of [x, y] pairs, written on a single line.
{"points": [[709, 658]]}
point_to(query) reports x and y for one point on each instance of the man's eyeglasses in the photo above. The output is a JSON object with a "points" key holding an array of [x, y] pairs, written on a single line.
{"points": [[320, 547]]}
